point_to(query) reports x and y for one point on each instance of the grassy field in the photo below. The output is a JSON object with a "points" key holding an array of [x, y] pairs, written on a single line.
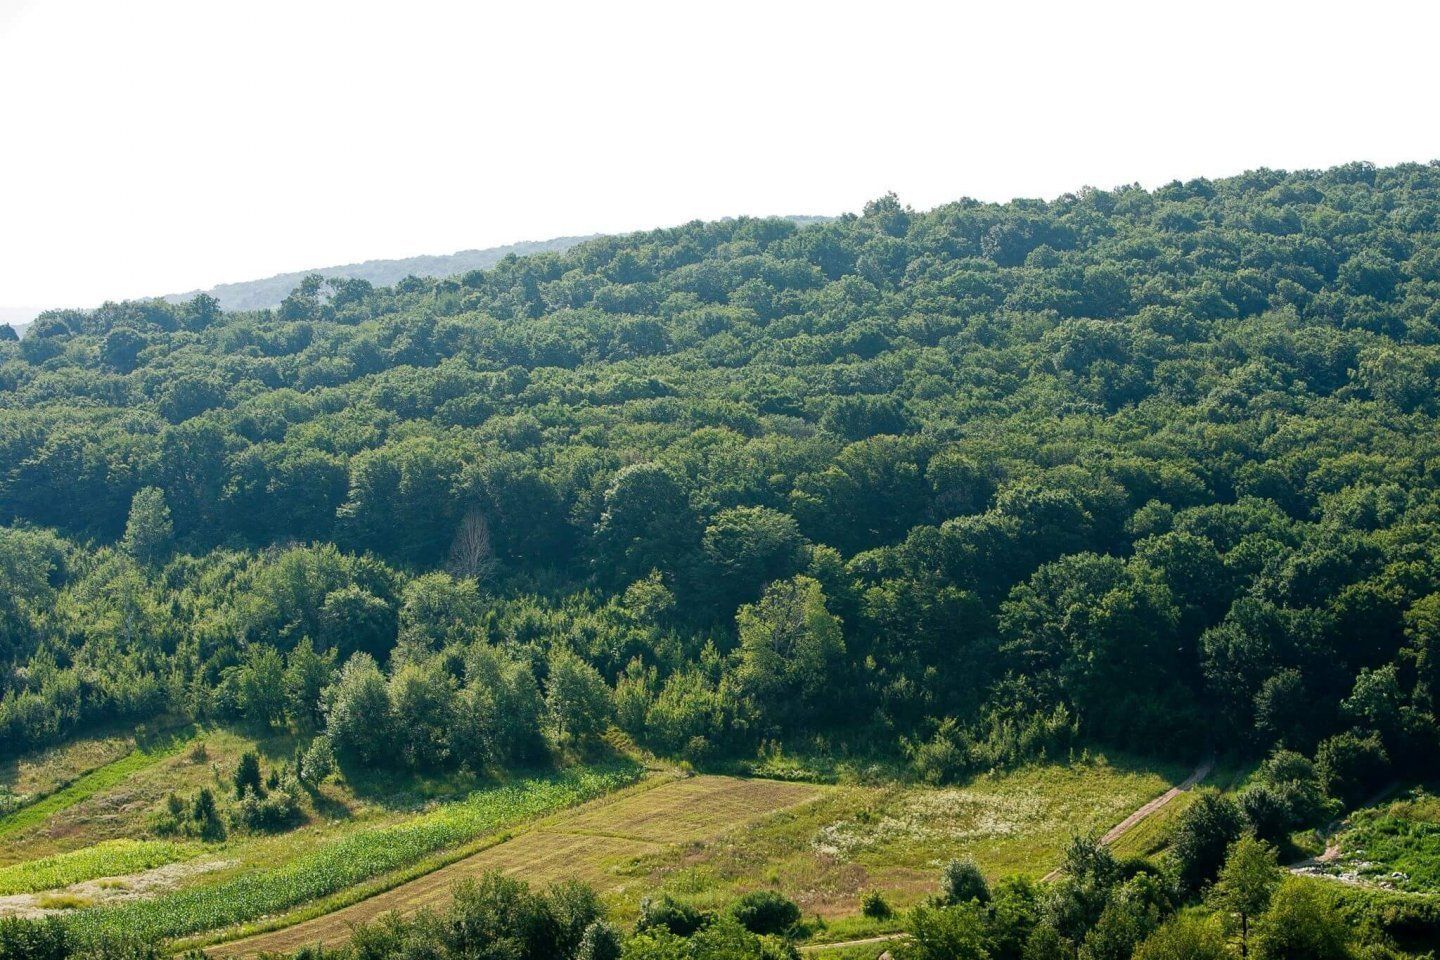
{"points": [[345, 862], [596, 842], [373, 842], [88, 785], [1395, 845], [707, 839], [894, 838], [27, 779], [110, 859]]}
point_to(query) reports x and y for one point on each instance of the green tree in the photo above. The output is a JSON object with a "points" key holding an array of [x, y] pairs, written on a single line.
{"points": [[1185, 937], [423, 710], [748, 547], [247, 776], [961, 881], [263, 687], [601, 941], [765, 912], [1302, 925], [579, 704], [647, 523], [1352, 766], [956, 932], [791, 652], [148, 532], [357, 711], [307, 674], [1246, 883], [1203, 837]]}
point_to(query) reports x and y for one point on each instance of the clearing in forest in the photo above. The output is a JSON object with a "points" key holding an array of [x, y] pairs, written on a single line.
{"points": [[589, 842]]}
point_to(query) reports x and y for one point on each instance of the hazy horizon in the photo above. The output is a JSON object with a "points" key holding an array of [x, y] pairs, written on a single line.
{"points": [[186, 145]]}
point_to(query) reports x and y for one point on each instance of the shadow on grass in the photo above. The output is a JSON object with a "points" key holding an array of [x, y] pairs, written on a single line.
{"points": [[396, 789]]}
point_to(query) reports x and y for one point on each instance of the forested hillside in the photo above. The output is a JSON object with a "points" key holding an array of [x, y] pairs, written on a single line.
{"points": [[1153, 469], [269, 292]]}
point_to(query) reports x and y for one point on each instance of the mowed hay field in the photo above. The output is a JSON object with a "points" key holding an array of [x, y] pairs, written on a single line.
{"points": [[708, 839], [595, 842], [896, 837]]}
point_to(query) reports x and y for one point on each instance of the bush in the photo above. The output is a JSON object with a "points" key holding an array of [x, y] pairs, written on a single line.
{"points": [[318, 762], [601, 941], [1302, 924], [1202, 838], [766, 912], [874, 905], [275, 811], [247, 775], [33, 939], [666, 913], [1351, 766], [1185, 938], [962, 881]]}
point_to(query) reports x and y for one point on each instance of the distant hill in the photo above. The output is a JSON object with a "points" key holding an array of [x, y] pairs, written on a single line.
{"points": [[262, 294], [18, 317]]}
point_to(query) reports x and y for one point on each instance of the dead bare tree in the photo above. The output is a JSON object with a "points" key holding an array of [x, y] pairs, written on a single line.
{"points": [[472, 555]]}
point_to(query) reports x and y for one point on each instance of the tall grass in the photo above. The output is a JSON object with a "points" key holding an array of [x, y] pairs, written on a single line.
{"points": [[112, 859], [348, 861], [82, 788]]}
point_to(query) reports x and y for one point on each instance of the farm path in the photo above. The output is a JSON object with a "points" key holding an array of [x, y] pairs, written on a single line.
{"points": [[587, 843]]}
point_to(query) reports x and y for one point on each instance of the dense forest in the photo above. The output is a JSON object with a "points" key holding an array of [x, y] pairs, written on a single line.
{"points": [[1155, 469]]}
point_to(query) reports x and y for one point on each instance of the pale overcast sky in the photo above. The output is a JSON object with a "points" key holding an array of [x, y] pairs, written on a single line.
{"points": [[148, 147]]}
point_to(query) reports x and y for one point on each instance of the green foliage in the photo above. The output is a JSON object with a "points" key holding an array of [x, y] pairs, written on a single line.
{"points": [[1247, 882], [961, 881], [358, 714], [1152, 468], [1186, 937], [874, 905], [1352, 767], [670, 915], [109, 859], [956, 932], [578, 704], [148, 530], [247, 775], [23, 940], [1302, 925], [1203, 837], [765, 912], [335, 865]]}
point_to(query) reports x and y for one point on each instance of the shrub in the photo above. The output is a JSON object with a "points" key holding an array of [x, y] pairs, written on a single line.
{"points": [[1302, 923], [1351, 767], [1202, 837], [318, 761], [961, 881], [766, 912], [874, 905], [601, 941], [247, 775], [663, 912], [33, 940]]}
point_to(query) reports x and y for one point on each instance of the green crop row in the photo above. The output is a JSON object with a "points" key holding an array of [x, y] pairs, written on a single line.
{"points": [[350, 860], [112, 859]]}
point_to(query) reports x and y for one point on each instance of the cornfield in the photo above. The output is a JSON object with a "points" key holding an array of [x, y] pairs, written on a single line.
{"points": [[348, 861]]}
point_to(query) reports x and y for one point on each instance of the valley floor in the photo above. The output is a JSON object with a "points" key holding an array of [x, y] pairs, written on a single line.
{"points": [[704, 839]]}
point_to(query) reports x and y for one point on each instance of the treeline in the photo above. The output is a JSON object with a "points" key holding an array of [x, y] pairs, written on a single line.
{"points": [[1154, 468]]}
